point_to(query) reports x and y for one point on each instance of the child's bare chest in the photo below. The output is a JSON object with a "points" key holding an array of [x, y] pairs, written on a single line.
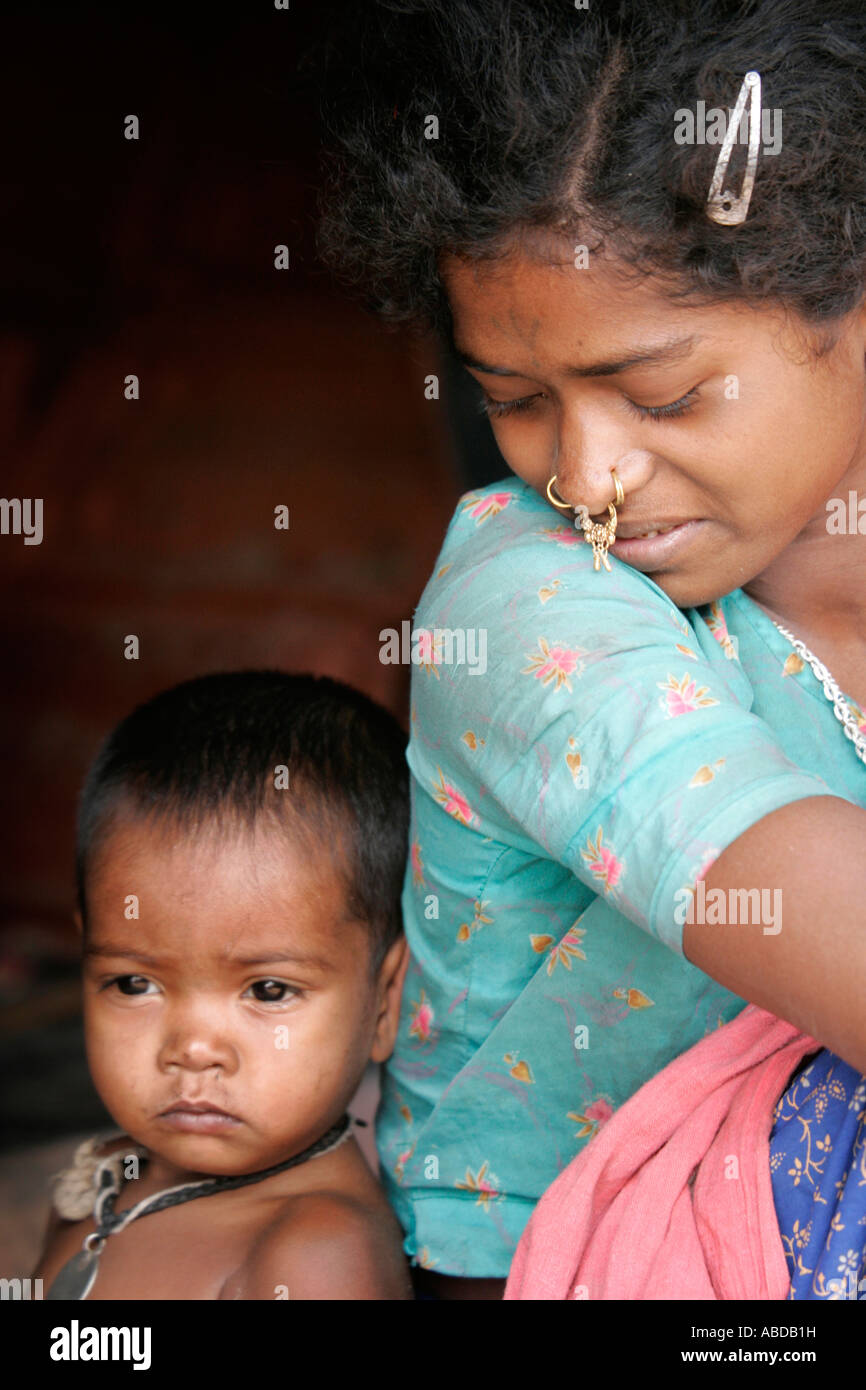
{"points": [[179, 1253]]}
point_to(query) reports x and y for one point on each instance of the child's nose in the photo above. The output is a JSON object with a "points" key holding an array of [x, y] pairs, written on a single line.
{"points": [[197, 1049]]}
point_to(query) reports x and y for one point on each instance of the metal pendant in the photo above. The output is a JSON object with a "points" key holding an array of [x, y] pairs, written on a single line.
{"points": [[77, 1277], [598, 535]]}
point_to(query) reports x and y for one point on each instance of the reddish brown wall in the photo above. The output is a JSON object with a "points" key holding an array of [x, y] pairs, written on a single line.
{"points": [[258, 387]]}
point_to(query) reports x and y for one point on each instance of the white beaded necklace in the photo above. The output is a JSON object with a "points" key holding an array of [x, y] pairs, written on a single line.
{"points": [[841, 707]]}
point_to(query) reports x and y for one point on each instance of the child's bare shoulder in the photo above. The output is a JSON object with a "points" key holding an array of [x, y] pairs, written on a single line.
{"points": [[326, 1245]]}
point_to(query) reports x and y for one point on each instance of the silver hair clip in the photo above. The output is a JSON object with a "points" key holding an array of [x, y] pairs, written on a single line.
{"points": [[722, 206]]}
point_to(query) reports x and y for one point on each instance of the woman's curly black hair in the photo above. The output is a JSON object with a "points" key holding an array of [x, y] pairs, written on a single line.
{"points": [[560, 117]]}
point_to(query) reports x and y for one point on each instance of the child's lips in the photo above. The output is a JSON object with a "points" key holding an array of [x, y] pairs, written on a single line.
{"points": [[198, 1117]]}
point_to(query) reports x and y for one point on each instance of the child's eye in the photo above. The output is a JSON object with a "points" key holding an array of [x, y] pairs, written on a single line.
{"points": [[272, 991], [130, 984], [496, 409], [665, 412]]}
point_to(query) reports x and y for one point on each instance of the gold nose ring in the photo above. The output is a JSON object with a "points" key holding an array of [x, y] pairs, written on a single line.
{"points": [[597, 534], [566, 506], [557, 501]]}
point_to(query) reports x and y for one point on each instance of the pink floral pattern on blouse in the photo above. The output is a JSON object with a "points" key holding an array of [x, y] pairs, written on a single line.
{"points": [[565, 801]]}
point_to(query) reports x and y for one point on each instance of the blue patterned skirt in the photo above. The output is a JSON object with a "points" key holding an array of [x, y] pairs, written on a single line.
{"points": [[818, 1170]]}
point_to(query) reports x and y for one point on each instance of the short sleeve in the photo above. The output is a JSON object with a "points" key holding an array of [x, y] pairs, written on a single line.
{"points": [[606, 729]]}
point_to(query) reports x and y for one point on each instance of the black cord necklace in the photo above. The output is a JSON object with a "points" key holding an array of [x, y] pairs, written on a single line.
{"points": [[76, 1278]]}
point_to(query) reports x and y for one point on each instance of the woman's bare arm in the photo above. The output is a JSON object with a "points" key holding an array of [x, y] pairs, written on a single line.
{"points": [[810, 971]]}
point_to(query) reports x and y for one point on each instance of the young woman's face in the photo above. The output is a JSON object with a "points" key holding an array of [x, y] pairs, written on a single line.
{"points": [[718, 420]]}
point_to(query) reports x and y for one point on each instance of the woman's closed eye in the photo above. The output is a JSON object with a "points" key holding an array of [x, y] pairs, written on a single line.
{"points": [[664, 412], [497, 409]]}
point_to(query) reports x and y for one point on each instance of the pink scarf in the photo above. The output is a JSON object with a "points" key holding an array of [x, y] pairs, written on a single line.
{"points": [[624, 1221]]}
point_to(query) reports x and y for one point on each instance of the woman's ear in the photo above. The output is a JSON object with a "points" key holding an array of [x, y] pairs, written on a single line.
{"points": [[79, 925]]}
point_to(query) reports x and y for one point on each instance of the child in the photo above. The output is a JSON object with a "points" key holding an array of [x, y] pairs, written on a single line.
{"points": [[241, 842], [650, 808]]}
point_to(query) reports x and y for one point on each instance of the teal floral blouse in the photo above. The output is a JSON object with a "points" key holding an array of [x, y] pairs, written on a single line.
{"points": [[573, 778]]}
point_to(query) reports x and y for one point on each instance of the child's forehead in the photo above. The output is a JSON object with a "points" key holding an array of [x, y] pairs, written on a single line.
{"points": [[218, 883], [203, 837]]}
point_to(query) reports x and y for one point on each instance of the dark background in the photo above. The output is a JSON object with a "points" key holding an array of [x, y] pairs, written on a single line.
{"points": [[258, 387]]}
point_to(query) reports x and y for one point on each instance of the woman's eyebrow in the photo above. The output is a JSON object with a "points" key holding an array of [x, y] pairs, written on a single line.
{"points": [[672, 351]]}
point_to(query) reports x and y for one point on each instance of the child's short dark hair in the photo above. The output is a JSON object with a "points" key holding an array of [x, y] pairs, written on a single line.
{"points": [[213, 749], [562, 117]]}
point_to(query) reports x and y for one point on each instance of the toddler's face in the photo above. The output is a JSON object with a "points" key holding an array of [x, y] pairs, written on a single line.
{"points": [[241, 984], [741, 466]]}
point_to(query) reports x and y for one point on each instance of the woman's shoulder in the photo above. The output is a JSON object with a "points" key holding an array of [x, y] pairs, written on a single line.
{"points": [[515, 598], [490, 519], [509, 557]]}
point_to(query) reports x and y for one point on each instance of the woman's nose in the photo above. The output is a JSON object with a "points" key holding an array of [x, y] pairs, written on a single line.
{"points": [[588, 480]]}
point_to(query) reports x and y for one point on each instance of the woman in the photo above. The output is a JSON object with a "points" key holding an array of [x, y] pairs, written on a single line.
{"points": [[645, 810]]}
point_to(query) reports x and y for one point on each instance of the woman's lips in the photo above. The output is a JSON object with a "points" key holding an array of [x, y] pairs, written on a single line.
{"points": [[650, 553], [198, 1117]]}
